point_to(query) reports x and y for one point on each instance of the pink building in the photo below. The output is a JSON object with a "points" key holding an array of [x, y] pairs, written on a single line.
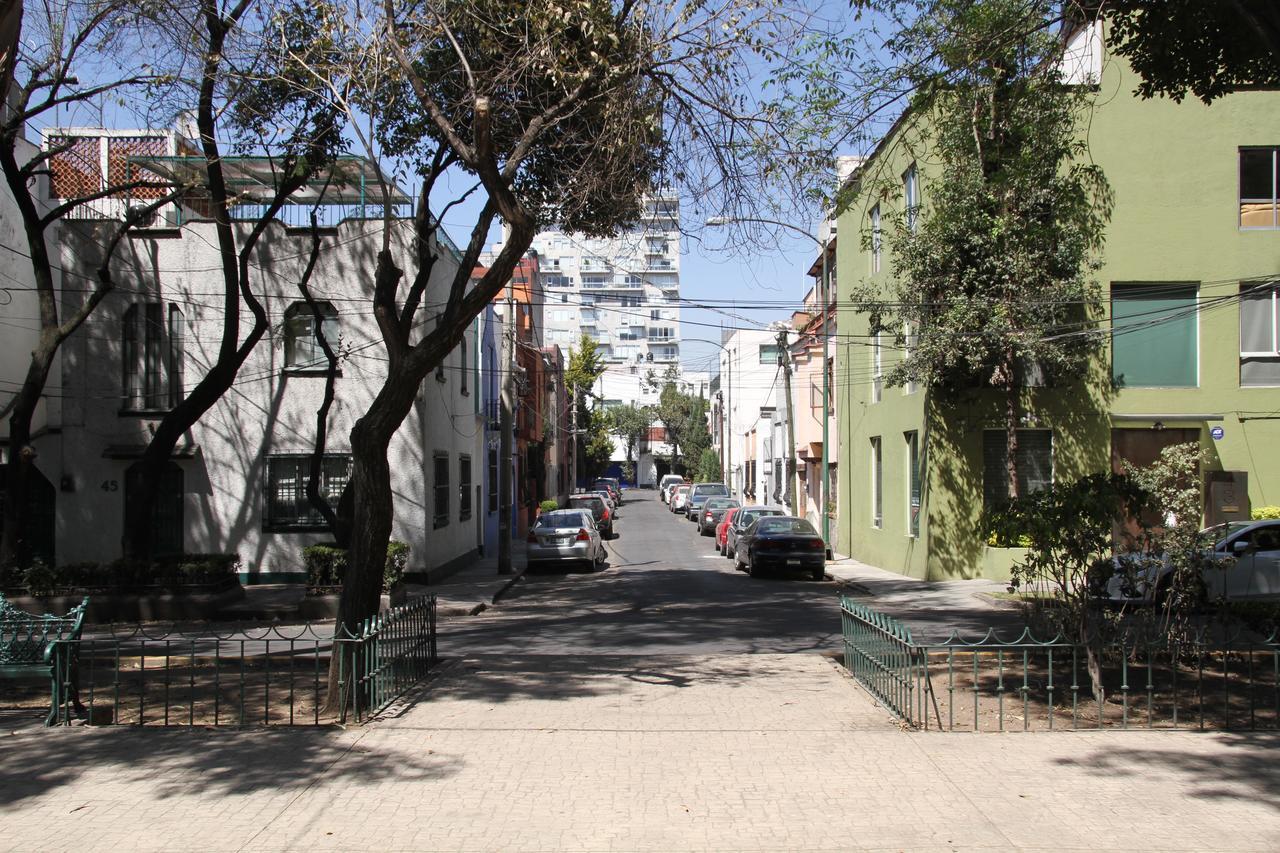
{"points": [[806, 353]]}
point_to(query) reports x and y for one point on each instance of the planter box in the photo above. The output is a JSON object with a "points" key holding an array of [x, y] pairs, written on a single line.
{"points": [[147, 604]]}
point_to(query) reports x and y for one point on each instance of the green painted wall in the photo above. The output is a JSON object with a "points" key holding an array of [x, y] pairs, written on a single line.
{"points": [[1173, 170]]}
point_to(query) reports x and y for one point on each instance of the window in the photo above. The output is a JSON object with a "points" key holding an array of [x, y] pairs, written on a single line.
{"points": [[655, 314], [911, 196], [875, 239], [1153, 335], [440, 508], [1035, 464], [302, 331], [493, 481], [287, 477], [152, 357], [877, 370], [1259, 185], [877, 484], [1260, 334], [770, 354], [913, 483], [464, 487], [555, 280]]}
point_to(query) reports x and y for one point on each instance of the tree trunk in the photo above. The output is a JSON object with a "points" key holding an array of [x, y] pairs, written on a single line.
{"points": [[1011, 424], [373, 513]]}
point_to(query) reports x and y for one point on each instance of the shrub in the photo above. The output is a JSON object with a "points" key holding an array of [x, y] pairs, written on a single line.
{"points": [[397, 562], [39, 578], [548, 506], [1265, 512], [326, 565]]}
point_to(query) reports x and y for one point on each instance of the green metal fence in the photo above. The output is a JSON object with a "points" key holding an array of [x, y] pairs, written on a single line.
{"points": [[1028, 684], [250, 676]]}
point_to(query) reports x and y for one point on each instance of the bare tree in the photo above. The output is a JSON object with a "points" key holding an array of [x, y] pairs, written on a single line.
{"points": [[254, 80], [64, 41]]}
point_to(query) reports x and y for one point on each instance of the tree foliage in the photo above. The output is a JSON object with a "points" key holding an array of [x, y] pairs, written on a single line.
{"points": [[1207, 49], [998, 260], [631, 424]]}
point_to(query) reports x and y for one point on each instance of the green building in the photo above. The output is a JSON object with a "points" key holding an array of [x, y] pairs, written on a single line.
{"points": [[1195, 222]]}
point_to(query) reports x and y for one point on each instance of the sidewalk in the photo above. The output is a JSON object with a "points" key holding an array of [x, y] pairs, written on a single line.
{"points": [[637, 753], [932, 609], [475, 587]]}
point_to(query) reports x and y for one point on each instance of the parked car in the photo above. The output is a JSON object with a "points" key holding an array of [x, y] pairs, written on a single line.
{"points": [[722, 529], [610, 485], [781, 542], [700, 494], [1244, 563], [680, 497], [741, 521], [711, 513], [564, 536], [599, 511], [665, 484], [608, 499]]}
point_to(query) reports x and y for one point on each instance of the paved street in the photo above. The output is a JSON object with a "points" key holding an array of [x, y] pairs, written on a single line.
{"points": [[668, 703]]}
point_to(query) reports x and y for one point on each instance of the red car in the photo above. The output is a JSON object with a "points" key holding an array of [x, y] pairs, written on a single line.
{"points": [[722, 528]]}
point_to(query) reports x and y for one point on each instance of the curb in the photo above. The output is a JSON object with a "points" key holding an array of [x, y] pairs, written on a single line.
{"points": [[519, 576]]}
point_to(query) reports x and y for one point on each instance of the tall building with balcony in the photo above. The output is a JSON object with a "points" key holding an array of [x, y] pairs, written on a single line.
{"points": [[623, 291]]}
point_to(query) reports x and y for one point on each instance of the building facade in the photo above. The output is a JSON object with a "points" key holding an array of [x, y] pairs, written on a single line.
{"points": [[237, 480], [1188, 344], [623, 291]]}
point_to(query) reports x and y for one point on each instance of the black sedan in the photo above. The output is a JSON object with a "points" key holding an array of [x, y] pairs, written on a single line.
{"points": [[781, 542], [712, 513]]}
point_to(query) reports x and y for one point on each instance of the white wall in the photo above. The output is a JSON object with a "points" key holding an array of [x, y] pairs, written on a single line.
{"points": [[746, 387], [268, 411]]}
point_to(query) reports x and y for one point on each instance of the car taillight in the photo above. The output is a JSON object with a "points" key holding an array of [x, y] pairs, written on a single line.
{"points": [[583, 535], [817, 545], [606, 515]]}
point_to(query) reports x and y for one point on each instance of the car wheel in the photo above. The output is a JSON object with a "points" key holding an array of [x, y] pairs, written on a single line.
{"points": [[819, 574], [728, 551], [751, 565]]}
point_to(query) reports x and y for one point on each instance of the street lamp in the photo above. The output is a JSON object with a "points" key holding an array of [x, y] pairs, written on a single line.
{"points": [[824, 247]]}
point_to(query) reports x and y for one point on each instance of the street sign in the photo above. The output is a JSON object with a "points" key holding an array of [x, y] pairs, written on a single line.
{"points": [[1217, 433]]}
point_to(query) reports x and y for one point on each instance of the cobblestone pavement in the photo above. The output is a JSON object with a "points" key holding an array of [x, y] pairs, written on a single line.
{"points": [[646, 753]]}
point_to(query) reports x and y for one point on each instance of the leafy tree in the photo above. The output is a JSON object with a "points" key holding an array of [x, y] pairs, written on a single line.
{"points": [[1208, 49], [683, 415], [709, 469], [1067, 531], [998, 260], [630, 424], [592, 444]]}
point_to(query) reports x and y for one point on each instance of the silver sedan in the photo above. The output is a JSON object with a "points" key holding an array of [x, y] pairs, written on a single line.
{"points": [[565, 536]]}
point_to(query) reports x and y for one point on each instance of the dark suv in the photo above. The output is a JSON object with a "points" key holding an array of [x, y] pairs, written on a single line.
{"points": [[599, 511]]}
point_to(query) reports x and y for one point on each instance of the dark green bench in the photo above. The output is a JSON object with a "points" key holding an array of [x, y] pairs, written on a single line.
{"points": [[32, 644]]}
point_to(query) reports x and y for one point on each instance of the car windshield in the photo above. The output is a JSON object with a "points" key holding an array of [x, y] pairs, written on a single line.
{"points": [[785, 525], [586, 500], [709, 489], [1225, 530], [680, 490], [720, 503]]}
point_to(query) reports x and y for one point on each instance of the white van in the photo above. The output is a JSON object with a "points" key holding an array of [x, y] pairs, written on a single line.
{"points": [[667, 482]]}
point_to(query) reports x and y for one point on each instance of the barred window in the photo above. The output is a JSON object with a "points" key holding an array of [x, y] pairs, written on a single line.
{"points": [[152, 357], [440, 508], [287, 477]]}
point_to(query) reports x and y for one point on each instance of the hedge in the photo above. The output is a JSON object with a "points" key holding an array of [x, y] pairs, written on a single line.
{"points": [[326, 565], [40, 578]]}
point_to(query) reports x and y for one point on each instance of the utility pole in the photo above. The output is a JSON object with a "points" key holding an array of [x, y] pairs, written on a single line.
{"points": [[505, 439], [784, 353], [728, 421], [573, 431], [826, 398]]}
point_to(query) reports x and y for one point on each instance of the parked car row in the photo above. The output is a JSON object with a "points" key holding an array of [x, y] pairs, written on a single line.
{"points": [[576, 534], [756, 538]]}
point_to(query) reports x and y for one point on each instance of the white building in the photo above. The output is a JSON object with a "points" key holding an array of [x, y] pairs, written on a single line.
{"points": [[623, 291], [237, 480], [744, 412]]}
